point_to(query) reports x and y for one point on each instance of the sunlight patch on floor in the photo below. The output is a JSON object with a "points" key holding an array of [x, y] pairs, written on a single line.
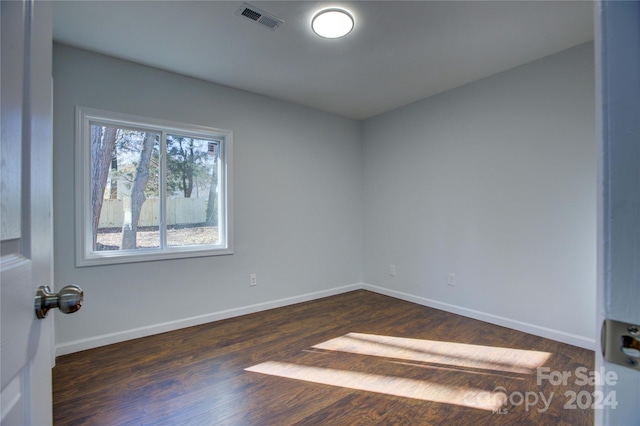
{"points": [[389, 385], [437, 352], [459, 357]]}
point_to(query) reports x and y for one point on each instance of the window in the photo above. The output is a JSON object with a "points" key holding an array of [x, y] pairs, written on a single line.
{"points": [[150, 189]]}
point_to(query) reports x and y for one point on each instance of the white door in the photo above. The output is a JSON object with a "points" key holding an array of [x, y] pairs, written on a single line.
{"points": [[26, 257], [617, 35]]}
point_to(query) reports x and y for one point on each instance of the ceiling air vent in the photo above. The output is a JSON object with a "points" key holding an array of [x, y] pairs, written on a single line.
{"points": [[260, 16]]}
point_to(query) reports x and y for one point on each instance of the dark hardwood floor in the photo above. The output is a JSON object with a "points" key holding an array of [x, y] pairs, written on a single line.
{"points": [[352, 359]]}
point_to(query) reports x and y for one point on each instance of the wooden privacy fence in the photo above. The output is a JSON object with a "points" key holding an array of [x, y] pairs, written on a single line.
{"points": [[180, 211]]}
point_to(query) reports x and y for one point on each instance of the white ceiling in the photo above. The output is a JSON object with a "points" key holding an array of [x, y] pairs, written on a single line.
{"points": [[398, 53]]}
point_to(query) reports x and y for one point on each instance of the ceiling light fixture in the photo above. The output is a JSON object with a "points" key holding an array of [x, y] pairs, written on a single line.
{"points": [[332, 23]]}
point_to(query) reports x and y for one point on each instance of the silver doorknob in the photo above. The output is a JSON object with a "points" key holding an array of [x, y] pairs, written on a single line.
{"points": [[68, 300]]}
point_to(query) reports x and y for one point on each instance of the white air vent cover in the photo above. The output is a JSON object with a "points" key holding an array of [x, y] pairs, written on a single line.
{"points": [[260, 16]]}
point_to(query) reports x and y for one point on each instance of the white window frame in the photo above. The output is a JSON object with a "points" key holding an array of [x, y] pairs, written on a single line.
{"points": [[85, 255]]}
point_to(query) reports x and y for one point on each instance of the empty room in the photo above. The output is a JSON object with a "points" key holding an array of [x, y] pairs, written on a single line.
{"points": [[261, 220]]}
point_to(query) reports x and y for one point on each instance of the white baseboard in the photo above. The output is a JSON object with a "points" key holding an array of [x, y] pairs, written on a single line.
{"points": [[536, 330], [135, 333]]}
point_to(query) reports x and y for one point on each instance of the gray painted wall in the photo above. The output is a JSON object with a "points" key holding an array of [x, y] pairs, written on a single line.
{"points": [[494, 182], [297, 213]]}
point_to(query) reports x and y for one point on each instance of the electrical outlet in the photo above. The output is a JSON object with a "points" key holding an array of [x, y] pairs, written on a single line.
{"points": [[253, 279], [451, 280], [392, 270]]}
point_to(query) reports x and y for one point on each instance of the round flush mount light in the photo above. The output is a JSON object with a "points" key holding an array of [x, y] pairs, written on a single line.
{"points": [[332, 23]]}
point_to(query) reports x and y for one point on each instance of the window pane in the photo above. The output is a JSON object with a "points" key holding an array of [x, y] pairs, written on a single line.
{"points": [[125, 188], [150, 189], [193, 193]]}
